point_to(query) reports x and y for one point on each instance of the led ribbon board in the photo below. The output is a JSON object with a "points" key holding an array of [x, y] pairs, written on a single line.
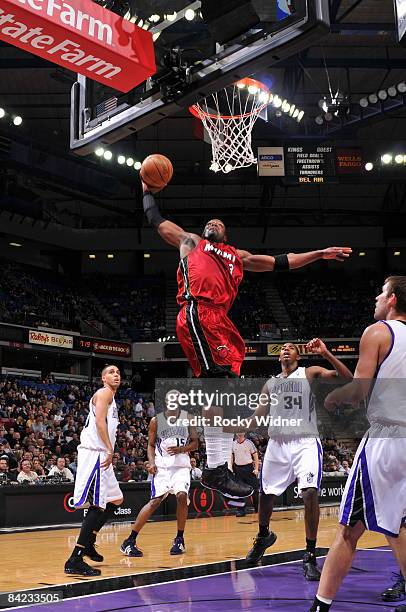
{"points": [[81, 36]]}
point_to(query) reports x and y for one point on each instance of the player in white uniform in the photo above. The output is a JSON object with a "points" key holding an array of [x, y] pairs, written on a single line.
{"points": [[294, 453], [96, 486], [170, 440], [375, 494]]}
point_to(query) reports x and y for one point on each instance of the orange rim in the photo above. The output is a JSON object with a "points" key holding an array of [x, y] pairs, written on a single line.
{"points": [[197, 110]]}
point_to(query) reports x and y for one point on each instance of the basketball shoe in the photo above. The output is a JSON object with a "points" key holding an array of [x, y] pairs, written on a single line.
{"points": [[397, 591], [221, 479], [261, 543], [178, 546], [310, 570], [130, 549], [80, 568]]}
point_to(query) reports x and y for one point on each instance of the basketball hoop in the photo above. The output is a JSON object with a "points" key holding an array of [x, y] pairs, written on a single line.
{"points": [[229, 116]]}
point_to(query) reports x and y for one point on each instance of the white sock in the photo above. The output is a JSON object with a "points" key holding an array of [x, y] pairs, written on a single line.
{"points": [[214, 446], [328, 602], [227, 444]]}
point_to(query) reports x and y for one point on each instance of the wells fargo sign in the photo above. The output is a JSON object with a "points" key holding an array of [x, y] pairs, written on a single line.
{"points": [[81, 36]]}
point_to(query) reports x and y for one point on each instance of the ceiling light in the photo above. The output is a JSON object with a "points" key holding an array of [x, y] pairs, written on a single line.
{"points": [[92, 256], [319, 120], [396, 253], [278, 113], [386, 158], [392, 91], [110, 256], [99, 151], [382, 94], [277, 102], [137, 165], [108, 155], [399, 159], [147, 255], [373, 98], [263, 97], [300, 116], [17, 120], [252, 89], [369, 166], [362, 253], [401, 87], [121, 159], [15, 244], [172, 16], [154, 18], [156, 35], [364, 102], [189, 14], [241, 85], [2, 113], [130, 161]]}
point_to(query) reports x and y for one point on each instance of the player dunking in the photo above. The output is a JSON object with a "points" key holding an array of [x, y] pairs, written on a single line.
{"points": [[294, 453], [96, 484], [170, 441], [209, 274], [375, 493]]}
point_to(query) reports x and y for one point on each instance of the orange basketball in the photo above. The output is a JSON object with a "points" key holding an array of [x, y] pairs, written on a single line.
{"points": [[156, 171]]}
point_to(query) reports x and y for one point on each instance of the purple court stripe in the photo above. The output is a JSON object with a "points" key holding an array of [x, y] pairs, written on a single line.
{"points": [[89, 482]]}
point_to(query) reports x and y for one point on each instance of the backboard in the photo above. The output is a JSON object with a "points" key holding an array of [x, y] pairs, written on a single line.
{"points": [[191, 62]]}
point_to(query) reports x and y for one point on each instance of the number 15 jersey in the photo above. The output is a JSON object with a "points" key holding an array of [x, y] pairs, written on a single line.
{"points": [[292, 399]]}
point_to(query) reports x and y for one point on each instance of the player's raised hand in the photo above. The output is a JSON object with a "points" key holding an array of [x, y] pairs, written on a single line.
{"points": [[338, 253], [146, 187], [317, 346]]}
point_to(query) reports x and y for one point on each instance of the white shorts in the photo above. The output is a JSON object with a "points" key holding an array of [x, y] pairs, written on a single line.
{"points": [[375, 492], [94, 486], [172, 479], [288, 460]]}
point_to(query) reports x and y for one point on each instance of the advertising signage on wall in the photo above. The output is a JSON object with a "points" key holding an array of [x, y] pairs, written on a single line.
{"points": [[104, 347], [36, 336]]}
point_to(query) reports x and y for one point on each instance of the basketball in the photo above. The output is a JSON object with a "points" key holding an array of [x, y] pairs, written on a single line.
{"points": [[156, 171]]}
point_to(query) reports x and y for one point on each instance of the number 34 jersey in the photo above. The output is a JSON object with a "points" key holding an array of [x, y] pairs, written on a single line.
{"points": [[292, 404]]}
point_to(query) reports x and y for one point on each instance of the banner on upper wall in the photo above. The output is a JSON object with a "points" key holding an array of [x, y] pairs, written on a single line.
{"points": [[81, 36], [50, 339], [271, 161]]}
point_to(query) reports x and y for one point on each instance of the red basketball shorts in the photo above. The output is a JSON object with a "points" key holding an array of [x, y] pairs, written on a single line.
{"points": [[210, 340]]}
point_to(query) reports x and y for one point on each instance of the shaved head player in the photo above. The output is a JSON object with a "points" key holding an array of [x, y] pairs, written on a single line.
{"points": [[210, 272]]}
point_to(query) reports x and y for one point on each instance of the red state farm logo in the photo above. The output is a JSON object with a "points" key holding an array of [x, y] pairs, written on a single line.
{"points": [[68, 503], [203, 500]]}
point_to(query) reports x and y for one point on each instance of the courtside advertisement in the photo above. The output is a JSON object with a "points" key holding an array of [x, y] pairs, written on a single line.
{"points": [[81, 36]]}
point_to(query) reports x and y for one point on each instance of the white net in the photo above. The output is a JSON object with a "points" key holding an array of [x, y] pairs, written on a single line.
{"points": [[229, 117]]}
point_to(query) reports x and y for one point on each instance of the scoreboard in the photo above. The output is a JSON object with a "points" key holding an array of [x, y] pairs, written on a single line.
{"points": [[309, 164]]}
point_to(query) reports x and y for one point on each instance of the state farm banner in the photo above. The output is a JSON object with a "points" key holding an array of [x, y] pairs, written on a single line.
{"points": [[50, 339], [81, 36]]}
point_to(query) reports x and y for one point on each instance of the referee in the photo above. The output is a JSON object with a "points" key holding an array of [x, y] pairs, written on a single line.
{"points": [[245, 467]]}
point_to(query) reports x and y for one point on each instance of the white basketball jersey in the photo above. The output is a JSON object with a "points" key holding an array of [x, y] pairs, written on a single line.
{"points": [[291, 399], [89, 438], [387, 403], [171, 435]]}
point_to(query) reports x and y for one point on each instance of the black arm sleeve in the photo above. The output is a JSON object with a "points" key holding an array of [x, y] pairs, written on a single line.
{"points": [[151, 209], [281, 263]]}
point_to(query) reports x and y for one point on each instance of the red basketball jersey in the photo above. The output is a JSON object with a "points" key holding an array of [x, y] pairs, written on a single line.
{"points": [[211, 273]]}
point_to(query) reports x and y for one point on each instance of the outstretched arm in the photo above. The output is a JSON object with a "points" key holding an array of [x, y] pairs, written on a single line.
{"points": [[268, 263], [170, 232]]}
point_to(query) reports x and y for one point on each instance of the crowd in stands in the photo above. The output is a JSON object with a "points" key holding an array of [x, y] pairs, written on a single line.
{"points": [[41, 298], [251, 308], [137, 304], [40, 426], [333, 306]]}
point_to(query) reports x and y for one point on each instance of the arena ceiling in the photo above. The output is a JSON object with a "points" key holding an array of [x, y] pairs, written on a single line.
{"points": [[358, 57]]}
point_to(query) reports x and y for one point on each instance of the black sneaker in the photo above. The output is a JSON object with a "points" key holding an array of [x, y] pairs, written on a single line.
{"points": [[80, 568], [91, 552], [220, 479], [178, 546], [261, 543], [310, 570], [397, 591], [130, 548], [241, 512]]}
